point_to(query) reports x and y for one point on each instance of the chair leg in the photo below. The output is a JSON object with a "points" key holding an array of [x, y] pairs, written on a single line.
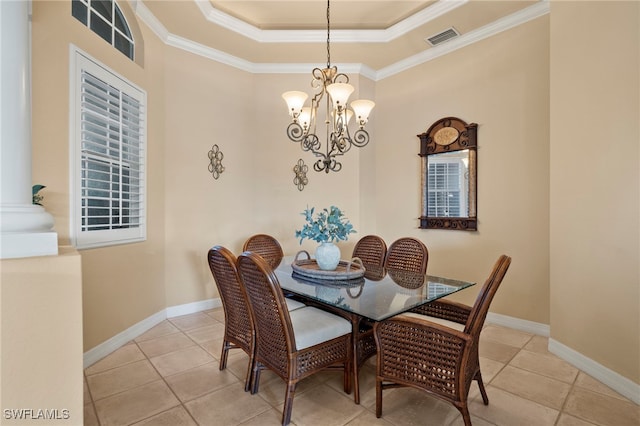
{"points": [[464, 410], [348, 371], [224, 355], [249, 377], [288, 403], [255, 379], [483, 392], [378, 397]]}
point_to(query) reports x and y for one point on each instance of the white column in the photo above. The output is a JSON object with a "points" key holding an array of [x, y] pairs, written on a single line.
{"points": [[25, 229]]}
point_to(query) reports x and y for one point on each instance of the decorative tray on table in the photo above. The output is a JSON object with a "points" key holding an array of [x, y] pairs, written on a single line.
{"points": [[308, 268]]}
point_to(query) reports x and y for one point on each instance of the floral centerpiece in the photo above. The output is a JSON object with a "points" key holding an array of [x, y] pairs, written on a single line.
{"points": [[326, 227]]}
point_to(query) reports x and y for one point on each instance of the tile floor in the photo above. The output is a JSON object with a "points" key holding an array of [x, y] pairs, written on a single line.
{"points": [[170, 376]]}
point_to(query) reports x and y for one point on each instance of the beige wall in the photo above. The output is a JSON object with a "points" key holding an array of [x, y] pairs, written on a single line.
{"points": [[41, 337], [122, 285], [595, 182], [501, 84], [207, 105]]}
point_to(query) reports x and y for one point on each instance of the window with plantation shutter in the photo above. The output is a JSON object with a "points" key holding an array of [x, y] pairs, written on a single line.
{"points": [[109, 157]]}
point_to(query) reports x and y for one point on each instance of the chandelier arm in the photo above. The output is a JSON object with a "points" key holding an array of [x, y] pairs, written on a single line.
{"points": [[327, 165], [295, 132], [360, 138], [311, 143], [341, 78]]}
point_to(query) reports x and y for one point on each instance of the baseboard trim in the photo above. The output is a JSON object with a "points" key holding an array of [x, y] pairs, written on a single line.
{"points": [[105, 348], [519, 324], [615, 381], [191, 308]]}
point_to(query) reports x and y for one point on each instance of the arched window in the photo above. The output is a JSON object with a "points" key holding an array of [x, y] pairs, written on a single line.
{"points": [[105, 18]]}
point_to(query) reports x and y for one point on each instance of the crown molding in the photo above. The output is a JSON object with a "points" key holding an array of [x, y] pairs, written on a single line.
{"points": [[508, 22], [267, 68], [150, 19], [210, 53], [428, 14], [532, 12]]}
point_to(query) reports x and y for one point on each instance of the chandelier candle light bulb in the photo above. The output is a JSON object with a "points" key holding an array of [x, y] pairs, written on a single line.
{"points": [[339, 93], [295, 101], [362, 108]]}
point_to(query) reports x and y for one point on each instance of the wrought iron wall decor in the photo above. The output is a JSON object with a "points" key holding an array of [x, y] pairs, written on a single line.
{"points": [[215, 161], [449, 175], [300, 171]]}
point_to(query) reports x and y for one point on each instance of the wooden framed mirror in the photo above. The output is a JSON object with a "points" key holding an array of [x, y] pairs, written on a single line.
{"points": [[448, 152]]}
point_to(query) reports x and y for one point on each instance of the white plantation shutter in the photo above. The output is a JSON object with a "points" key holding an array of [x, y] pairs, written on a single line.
{"points": [[109, 179]]}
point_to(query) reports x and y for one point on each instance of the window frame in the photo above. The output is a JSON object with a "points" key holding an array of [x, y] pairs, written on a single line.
{"points": [[115, 32], [83, 239]]}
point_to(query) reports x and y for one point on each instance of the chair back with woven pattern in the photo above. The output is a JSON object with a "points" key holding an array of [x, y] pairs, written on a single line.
{"points": [[479, 311], [238, 324], [407, 254], [371, 249], [274, 332], [234, 302], [267, 247]]}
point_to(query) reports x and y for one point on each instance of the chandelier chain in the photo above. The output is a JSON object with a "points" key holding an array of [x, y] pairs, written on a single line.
{"points": [[328, 36]]}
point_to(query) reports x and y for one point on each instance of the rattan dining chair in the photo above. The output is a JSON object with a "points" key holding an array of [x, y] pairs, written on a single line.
{"points": [[407, 254], [267, 247], [371, 250], [270, 250], [295, 344], [238, 327], [437, 353]]}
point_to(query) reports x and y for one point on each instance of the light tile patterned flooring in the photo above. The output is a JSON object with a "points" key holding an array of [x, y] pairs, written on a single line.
{"points": [[170, 376]]}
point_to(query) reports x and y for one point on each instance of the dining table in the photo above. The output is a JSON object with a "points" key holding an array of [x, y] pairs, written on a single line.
{"points": [[364, 299]]}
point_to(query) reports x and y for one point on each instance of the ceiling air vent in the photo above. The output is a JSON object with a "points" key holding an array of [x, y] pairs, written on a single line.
{"points": [[443, 36]]}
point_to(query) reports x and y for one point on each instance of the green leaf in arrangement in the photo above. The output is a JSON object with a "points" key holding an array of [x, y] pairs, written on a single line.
{"points": [[328, 225]]}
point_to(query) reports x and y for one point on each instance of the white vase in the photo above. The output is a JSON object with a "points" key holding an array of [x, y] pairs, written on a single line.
{"points": [[327, 256]]}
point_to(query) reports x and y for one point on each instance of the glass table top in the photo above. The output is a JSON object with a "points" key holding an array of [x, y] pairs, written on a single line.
{"points": [[378, 295]]}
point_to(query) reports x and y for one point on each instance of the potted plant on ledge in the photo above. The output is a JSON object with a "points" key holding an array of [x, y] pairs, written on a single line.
{"points": [[326, 227]]}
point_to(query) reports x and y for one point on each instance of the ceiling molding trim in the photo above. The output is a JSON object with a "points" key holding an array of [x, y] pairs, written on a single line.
{"points": [[218, 17], [422, 17], [266, 68], [150, 19], [513, 20], [210, 53]]}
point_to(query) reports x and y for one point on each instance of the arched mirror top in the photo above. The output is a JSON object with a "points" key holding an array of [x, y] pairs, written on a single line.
{"points": [[449, 170]]}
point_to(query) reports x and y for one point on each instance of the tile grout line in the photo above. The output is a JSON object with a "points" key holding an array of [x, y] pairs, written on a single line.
{"points": [[180, 404], [184, 333], [91, 401]]}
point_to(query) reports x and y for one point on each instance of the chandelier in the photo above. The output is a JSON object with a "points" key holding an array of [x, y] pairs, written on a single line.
{"points": [[339, 140]]}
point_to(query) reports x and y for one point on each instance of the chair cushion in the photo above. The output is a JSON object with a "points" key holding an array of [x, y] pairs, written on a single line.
{"points": [[446, 323], [292, 305], [312, 326]]}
